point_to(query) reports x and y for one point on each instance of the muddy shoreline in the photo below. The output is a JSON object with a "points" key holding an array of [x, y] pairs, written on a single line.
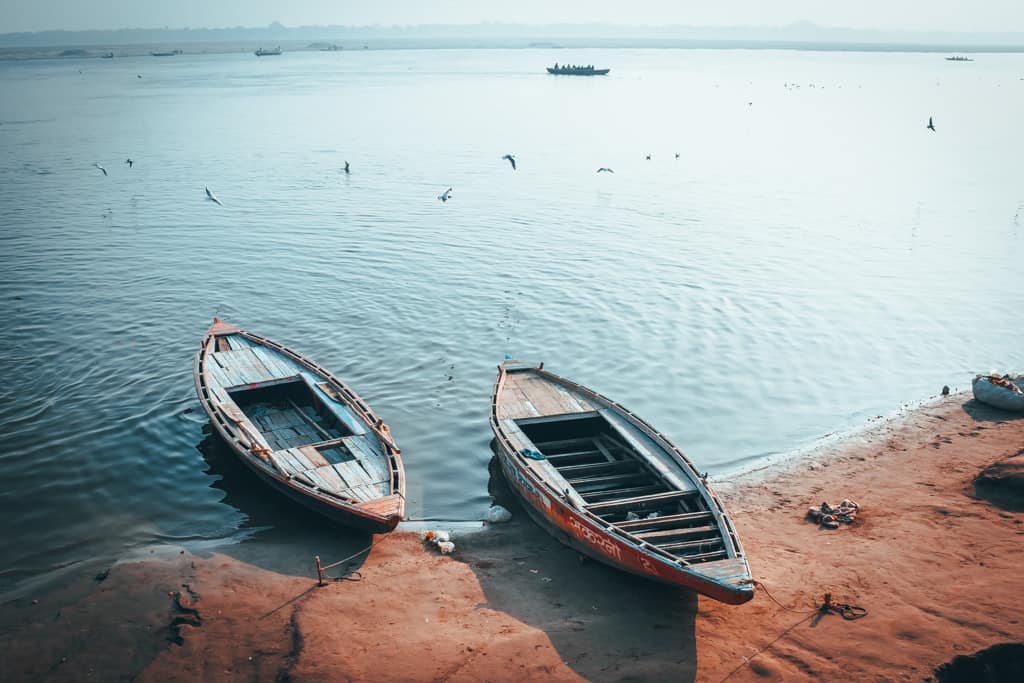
{"points": [[934, 564]]}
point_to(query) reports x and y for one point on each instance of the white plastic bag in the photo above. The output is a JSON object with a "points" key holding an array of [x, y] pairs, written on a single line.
{"points": [[497, 515]]}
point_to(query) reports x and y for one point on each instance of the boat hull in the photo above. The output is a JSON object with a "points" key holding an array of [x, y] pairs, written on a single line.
{"points": [[575, 531], [999, 396], [579, 72], [348, 516], [382, 520]]}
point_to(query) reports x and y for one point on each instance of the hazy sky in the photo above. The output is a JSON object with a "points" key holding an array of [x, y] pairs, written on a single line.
{"points": [[915, 15]]}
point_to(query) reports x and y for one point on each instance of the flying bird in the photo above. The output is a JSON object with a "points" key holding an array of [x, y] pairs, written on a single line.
{"points": [[346, 167], [931, 126], [212, 197], [677, 155], [511, 159], [129, 162], [101, 168], [139, 75], [605, 169], [446, 195], [648, 157]]}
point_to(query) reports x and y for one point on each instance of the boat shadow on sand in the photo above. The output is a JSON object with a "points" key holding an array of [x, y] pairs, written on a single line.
{"points": [[604, 623], [982, 412], [278, 535]]}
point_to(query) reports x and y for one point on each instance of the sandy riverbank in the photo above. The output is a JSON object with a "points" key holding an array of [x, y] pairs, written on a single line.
{"points": [[936, 567]]}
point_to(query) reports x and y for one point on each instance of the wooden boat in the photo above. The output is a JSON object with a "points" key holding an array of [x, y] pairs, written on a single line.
{"points": [[1001, 391], [607, 484], [300, 429], [576, 71]]}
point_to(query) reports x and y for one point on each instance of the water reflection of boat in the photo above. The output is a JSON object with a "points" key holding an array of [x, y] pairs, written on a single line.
{"points": [[958, 58], [299, 428], [575, 70], [608, 485], [273, 52]]}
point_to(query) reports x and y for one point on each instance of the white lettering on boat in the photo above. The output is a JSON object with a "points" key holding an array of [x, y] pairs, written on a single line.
{"points": [[605, 544], [648, 566]]}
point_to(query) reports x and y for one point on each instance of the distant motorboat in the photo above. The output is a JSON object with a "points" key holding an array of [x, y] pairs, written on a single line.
{"points": [[107, 55], [333, 48], [958, 58], [171, 53], [573, 70], [273, 52]]}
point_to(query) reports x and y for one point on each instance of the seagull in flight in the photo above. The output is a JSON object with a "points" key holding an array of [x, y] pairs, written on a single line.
{"points": [[101, 168], [648, 157], [446, 195], [677, 155], [346, 167], [931, 126], [605, 169], [511, 159], [129, 162], [212, 197]]}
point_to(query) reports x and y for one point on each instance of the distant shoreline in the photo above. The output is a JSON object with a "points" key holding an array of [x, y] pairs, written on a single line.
{"points": [[74, 51]]}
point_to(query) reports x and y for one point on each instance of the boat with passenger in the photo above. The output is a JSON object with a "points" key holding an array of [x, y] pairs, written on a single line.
{"points": [[576, 70]]}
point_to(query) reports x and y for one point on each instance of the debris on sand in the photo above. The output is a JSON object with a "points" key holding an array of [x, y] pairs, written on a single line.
{"points": [[829, 516]]}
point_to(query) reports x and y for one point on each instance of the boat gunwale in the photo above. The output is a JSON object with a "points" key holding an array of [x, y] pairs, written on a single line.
{"points": [[721, 517], [351, 400]]}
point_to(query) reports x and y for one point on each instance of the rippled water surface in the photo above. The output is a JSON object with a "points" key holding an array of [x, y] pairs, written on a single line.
{"points": [[813, 258]]}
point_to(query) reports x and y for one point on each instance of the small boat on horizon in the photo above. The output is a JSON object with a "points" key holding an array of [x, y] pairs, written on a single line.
{"points": [[575, 70], [958, 58], [272, 52], [300, 429], [607, 484], [170, 53], [107, 55]]}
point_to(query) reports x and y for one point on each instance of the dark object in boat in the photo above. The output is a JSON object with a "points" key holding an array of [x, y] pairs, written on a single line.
{"points": [[611, 486], [300, 429], [565, 70]]}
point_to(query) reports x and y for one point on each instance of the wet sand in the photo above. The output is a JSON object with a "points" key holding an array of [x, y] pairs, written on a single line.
{"points": [[935, 566]]}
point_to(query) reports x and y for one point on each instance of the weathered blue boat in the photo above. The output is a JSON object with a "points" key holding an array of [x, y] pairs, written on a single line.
{"points": [[300, 429], [1001, 391]]}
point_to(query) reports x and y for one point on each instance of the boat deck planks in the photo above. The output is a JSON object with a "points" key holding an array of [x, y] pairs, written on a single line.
{"points": [[300, 428], [611, 486]]}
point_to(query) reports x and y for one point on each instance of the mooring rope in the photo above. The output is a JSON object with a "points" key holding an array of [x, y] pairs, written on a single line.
{"points": [[846, 611]]}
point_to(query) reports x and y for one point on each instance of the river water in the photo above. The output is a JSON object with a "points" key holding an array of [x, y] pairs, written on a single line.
{"points": [[814, 257]]}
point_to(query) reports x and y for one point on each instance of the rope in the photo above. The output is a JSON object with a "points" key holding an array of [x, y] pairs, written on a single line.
{"points": [[845, 610], [367, 549], [773, 599]]}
